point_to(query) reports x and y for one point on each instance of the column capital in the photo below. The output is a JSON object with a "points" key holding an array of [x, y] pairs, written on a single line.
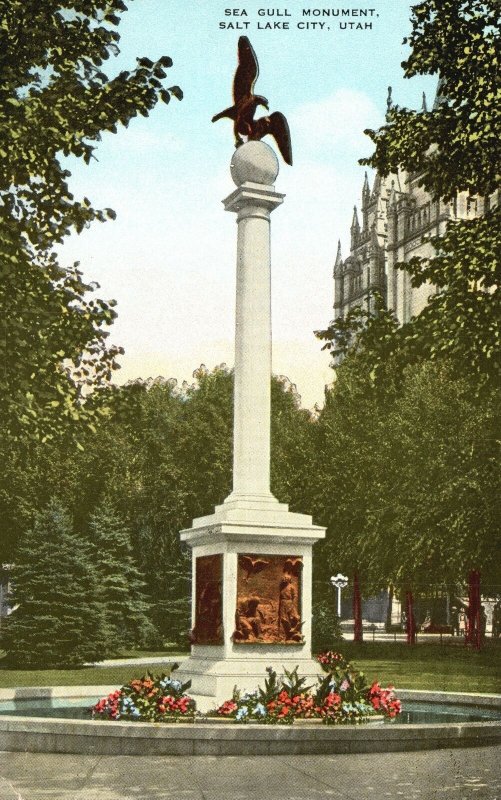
{"points": [[250, 196]]}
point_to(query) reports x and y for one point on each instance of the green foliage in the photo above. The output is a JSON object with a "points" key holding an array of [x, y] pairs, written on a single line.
{"points": [[292, 683], [407, 479], [439, 505], [462, 321], [292, 445], [451, 149], [58, 619], [455, 146], [326, 630], [161, 455], [120, 586], [406, 475], [342, 697], [57, 101], [371, 341]]}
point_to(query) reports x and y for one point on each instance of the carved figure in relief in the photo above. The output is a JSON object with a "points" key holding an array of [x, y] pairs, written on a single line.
{"points": [[252, 565], [209, 617], [248, 619], [289, 622]]}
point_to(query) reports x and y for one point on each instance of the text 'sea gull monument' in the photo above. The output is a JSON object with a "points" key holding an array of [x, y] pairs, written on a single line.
{"points": [[252, 558]]}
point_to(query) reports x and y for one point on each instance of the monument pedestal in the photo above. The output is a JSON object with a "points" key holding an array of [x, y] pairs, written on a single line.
{"points": [[264, 530], [252, 558]]}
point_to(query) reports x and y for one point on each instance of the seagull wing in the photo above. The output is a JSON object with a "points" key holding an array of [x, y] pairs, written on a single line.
{"points": [[246, 563], [246, 72], [259, 564], [278, 127], [228, 112], [293, 565]]}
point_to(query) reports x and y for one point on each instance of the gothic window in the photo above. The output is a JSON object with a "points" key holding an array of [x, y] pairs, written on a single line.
{"points": [[471, 206]]}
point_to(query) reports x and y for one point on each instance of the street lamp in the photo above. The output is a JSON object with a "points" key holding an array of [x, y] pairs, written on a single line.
{"points": [[339, 581]]}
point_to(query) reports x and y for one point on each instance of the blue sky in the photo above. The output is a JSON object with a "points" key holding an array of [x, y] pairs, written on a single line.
{"points": [[169, 258]]}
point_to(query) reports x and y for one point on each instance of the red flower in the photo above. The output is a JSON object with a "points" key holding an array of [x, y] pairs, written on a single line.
{"points": [[228, 707]]}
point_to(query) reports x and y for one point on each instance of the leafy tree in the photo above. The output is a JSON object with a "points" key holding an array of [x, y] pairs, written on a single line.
{"points": [[419, 425], [126, 612], [367, 339], [439, 507], [292, 446], [161, 455], [206, 439], [453, 148], [326, 628], [58, 619], [346, 479], [461, 322], [407, 479], [57, 101]]}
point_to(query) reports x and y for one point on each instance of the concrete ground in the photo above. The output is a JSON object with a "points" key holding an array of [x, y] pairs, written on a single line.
{"points": [[461, 774]]}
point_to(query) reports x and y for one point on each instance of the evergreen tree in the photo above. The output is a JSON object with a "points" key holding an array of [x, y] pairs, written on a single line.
{"points": [[120, 586], [58, 619]]}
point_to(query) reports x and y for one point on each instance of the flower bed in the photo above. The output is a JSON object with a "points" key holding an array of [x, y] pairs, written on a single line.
{"points": [[149, 699], [342, 696]]}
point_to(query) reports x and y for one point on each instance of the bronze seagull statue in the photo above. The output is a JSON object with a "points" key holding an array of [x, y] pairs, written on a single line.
{"points": [[245, 103]]}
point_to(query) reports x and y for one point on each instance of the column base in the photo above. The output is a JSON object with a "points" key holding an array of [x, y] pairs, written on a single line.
{"points": [[259, 527], [213, 679]]}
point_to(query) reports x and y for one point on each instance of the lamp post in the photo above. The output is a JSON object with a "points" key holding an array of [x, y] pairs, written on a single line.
{"points": [[339, 581]]}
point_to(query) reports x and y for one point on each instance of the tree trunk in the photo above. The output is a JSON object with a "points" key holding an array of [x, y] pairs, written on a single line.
{"points": [[357, 610], [411, 621], [390, 607], [474, 629]]}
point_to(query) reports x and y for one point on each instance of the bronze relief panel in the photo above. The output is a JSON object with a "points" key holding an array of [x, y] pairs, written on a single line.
{"points": [[268, 599], [208, 600]]}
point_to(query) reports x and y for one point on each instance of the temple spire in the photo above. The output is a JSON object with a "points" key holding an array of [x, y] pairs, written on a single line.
{"points": [[355, 229], [339, 259], [366, 192]]}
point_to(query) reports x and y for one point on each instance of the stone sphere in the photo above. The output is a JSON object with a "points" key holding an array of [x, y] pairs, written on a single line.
{"points": [[254, 162]]}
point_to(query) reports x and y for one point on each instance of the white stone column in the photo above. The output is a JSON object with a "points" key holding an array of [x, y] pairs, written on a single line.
{"points": [[251, 520], [254, 169]]}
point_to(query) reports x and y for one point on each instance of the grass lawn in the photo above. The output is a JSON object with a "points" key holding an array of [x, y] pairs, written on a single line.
{"points": [[85, 676], [448, 667]]}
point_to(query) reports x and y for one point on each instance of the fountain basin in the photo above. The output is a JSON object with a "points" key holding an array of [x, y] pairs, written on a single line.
{"points": [[40, 734]]}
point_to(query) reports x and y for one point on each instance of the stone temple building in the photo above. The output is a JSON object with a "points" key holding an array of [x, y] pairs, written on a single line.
{"points": [[397, 218]]}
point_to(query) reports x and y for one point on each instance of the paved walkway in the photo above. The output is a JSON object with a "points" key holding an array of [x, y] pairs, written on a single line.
{"points": [[466, 774]]}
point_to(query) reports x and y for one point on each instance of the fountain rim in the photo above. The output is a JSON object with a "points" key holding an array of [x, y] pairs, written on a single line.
{"points": [[37, 734]]}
